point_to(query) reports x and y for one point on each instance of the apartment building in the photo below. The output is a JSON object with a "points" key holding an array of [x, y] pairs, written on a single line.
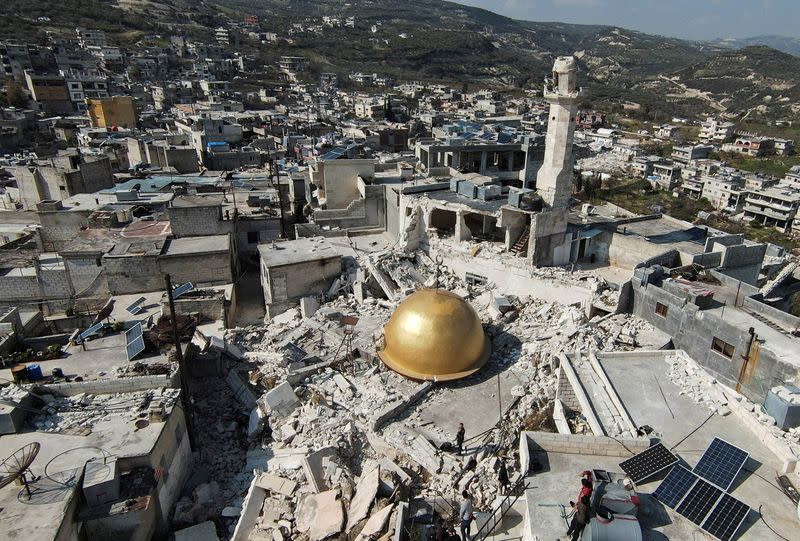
{"points": [[716, 131], [773, 207]]}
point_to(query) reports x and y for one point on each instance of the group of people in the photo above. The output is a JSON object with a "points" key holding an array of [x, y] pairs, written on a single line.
{"points": [[581, 507]]}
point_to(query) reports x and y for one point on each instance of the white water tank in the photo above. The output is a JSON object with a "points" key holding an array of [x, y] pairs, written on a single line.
{"points": [[619, 528]]}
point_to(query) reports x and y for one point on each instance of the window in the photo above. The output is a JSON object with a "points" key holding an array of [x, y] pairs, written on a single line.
{"points": [[475, 279], [722, 347], [252, 237], [661, 309]]}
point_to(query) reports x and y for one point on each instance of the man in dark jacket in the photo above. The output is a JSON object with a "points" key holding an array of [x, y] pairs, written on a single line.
{"points": [[579, 519], [460, 437]]}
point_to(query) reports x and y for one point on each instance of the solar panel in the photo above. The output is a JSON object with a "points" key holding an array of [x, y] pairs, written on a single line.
{"points": [[135, 347], [721, 463], [182, 290], [648, 463], [136, 306], [726, 518], [699, 501], [91, 331], [675, 486], [133, 333]]}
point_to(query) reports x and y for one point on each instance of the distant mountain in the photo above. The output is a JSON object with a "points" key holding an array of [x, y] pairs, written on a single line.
{"points": [[782, 43], [439, 41]]}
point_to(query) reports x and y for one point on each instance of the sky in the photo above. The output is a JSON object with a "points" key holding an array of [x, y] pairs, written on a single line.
{"points": [[688, 19]]}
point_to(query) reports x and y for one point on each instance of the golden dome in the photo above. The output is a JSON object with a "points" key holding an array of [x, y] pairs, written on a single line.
{"points": [[435, 335]]}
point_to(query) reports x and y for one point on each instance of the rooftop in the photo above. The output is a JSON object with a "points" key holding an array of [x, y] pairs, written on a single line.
{"points": [[278, 254], [195, 245]]}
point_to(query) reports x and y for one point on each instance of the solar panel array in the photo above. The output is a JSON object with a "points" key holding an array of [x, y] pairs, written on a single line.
{"points": [[721, 463], [701, 495], [182, 290], [91, 331], [649, 462], [134, 341], [136, 306]]}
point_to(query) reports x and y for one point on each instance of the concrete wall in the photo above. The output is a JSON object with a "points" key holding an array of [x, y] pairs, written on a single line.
{"points": [[61, 227], [742, 262], [84, 272], [200, 268], [285, 285], [110, 386], [197, 221], [339, 180], [133, 274]]}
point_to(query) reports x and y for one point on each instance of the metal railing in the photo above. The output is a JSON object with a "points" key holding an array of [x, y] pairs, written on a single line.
{"points": [[493, 520]]}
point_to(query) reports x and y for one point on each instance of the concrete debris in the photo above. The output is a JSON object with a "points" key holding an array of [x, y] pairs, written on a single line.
{"points": [[276, 484], [205, 531], [82, 411], [320, 515], [281, 400], [366, 490], [376, 524]]}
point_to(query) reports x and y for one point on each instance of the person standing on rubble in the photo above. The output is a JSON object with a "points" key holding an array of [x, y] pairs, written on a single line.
{"points": [[579, 519], [465, 515], [460, 438], [502, 476]]}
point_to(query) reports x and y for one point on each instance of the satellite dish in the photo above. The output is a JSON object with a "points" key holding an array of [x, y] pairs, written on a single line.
{"points": [[16, 466]]}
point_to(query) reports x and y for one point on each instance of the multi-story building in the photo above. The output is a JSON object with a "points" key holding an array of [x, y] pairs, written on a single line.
{"points": [[89, 37], [692, 187], [665, 175], [724, 192], [716, 131], [15, 59], [784, 147], [49, 92], [750, 145], [117, 111], [685, 154], [773, 207]]}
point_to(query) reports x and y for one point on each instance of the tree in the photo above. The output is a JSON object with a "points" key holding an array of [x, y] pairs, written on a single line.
{"points": [[15, 96]]}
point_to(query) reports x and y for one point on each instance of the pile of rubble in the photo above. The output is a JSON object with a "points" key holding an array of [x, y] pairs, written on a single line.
{"points": [[703, 389], [316, 420], [82, 411]]}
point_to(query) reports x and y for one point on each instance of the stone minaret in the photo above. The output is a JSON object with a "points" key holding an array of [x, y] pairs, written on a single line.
{"points": [[554, 181]]}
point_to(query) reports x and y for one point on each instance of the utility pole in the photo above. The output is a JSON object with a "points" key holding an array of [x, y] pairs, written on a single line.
{"points": [[184, 375]]}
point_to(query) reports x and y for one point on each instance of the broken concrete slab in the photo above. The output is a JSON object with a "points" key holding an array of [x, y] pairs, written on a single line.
{"points": [[314, 468], [308, 306], [395, 408], [366, 490], [320, 515], [276, 483], [376, 523], [388, 465], [281, 400], [205, 531]]}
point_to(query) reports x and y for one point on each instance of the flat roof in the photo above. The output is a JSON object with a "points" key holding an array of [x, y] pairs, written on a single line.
{"points": [[278, 254], [188, 201], [197, 245]]}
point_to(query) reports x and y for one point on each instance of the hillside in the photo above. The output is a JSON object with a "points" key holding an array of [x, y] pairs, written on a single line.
{"points": [[785, 44], [437, 41]]}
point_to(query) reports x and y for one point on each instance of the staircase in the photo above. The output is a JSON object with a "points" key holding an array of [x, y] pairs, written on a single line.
{"points": [[787, 271], [522, 242]]}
